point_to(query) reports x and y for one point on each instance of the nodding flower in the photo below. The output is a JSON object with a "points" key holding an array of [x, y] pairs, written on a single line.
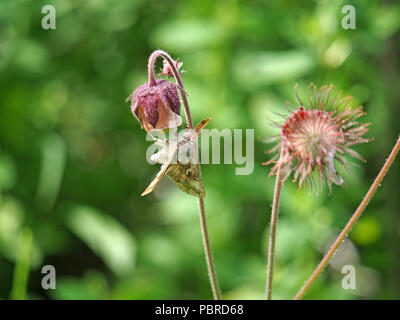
{"points": [[316, 136], [157, 105]]}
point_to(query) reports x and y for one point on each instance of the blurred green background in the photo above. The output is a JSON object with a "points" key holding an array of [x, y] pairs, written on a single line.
{"points": [[72, 157]]}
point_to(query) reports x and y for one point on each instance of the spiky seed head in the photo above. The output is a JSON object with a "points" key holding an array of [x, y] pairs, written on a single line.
{"points": [[315, 137]]}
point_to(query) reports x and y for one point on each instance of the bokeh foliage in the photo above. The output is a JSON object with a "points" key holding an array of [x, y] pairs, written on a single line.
{"points": [[72, 157]]}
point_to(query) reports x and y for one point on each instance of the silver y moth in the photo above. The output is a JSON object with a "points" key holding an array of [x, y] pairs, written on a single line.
{"points": [[185, 175]]}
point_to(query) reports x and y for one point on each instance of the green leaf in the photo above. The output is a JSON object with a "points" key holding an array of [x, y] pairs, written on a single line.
{"points": [[52, 170], [114, 244]]}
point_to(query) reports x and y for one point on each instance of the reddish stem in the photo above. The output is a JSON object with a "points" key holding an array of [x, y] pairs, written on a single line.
{"points": [[177, 77], [351, 222], [272, 234]]}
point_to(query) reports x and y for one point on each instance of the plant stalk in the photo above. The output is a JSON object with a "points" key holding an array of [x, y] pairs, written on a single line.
{"points": [[272, 234], [203, 223], [351, 222], [177, 77], [207, 249]]}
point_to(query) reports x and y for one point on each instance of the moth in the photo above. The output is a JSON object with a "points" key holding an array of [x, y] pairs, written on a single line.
{"points": [[185, 175]]}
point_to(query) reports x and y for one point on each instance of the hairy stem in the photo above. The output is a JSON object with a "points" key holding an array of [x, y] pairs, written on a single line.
{"points": [[207, 249], [272, 234], [203, 223], [351, 222], [177, 77]]}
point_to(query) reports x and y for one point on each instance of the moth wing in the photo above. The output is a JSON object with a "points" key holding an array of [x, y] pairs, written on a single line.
{"points": [[159, 176], [176, 172], [201, 125], [189, 184]]}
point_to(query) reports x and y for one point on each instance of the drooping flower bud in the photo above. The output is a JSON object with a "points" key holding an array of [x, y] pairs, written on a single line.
{"points": [[156, 106]]}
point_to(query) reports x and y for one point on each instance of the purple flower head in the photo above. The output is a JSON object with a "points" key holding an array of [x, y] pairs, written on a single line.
{"points": [[157, 106]]}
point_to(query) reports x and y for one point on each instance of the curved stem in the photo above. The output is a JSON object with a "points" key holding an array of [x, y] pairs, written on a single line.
{"points": [[351, 222], [272, 234], [177, 77], [203, 223], [150, 69]]}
